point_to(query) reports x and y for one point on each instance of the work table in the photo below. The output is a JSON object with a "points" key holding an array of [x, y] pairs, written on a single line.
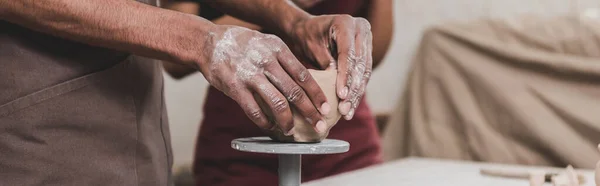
{"points": [[432, 172]]}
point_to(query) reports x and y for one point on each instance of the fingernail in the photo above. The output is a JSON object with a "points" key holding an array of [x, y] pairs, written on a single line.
{"points": [[344, 92], [325, 108], [350, 115], [345, 108], [321, 126], [290, 132]]}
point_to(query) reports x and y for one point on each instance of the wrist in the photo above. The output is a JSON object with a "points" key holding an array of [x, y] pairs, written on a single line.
{"points": [[190, 42], [290, 19]]}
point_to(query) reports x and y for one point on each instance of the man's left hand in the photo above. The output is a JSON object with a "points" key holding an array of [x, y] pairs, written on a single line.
{"points": [[342, 42]]}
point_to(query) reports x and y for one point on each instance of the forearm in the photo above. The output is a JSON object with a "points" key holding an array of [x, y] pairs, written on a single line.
{"points": [[381, 17], [123, 25], [276, 15]]}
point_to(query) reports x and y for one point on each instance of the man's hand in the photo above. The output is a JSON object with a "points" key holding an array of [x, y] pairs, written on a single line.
{"points": [[245, 64], [339, 41]]}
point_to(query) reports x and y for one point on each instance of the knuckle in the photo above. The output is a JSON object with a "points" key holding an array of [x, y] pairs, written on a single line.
{"points": [[355, 98], [231, 88], [355, 90], [367, 74], [351, 61], [269, 62], [355, 102], [349, 79], [255, 114], [303, 76], [231, 92], [363, 22], [360, 67], [279, 105], [276, 43], [295, 94], [232, 82], [352, 57], [349, 71]]}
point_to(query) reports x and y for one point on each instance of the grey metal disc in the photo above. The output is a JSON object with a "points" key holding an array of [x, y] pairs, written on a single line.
{"points": [[266, 145]]}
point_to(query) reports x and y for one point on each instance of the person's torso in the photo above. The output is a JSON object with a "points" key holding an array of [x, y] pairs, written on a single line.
{"points": [[74, 114]]}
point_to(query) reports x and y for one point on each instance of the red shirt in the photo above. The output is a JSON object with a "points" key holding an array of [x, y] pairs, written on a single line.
{"points": [[217, 164]]}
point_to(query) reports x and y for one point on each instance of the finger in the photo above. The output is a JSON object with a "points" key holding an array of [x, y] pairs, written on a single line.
{"points": [[322, 55], [357, 70], [295, 96], [252, 109], [302, 77], [276, 103], [344, 41], [365, 40]]}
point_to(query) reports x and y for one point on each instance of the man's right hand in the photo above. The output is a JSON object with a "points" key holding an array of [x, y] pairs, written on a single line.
{"points": [[237, 61], [243, 63]]}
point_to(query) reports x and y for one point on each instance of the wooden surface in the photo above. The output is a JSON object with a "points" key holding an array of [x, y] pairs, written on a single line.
{"points": [[432, 172]]}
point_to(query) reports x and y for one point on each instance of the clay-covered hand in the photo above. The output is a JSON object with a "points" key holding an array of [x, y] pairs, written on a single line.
{"points": [[245, 64], [342, 42]]}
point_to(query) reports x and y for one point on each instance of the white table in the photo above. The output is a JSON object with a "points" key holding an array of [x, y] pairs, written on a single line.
{"points": [[431, 172]]}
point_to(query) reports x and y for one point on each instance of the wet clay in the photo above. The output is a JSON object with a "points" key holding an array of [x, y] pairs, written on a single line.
{"points": [[303, 131]]}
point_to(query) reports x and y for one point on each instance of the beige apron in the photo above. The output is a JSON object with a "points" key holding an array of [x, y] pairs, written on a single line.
{"points": [[72, 114]]}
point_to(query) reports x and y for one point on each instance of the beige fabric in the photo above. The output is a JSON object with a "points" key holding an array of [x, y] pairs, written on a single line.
{"points": [[523, 91], [304, 131]]}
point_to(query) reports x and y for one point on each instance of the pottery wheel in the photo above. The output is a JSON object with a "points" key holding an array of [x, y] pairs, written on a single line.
{"points": [[290, 154]]}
